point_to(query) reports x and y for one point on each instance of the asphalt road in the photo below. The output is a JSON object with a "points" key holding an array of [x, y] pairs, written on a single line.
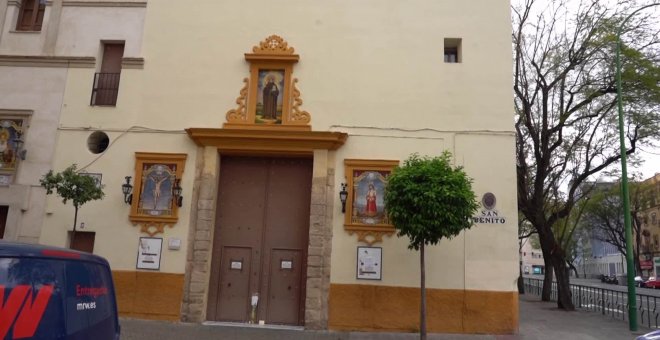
{"points": [[621, 288]]}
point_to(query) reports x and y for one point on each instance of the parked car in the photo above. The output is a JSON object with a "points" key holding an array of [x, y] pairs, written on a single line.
{"points": [[609, 279], [56, 294], [639, 282], [652, 283], [655, 335]]}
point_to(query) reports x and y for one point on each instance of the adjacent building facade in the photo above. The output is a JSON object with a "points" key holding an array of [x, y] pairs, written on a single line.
{"points": [[42, 45], [531, 259], [650, 227], [244, 149]]}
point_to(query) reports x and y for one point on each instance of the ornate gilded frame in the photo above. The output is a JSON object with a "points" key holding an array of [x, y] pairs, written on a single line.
{"points": [[273, 54], [369, 222], [153, 221]]}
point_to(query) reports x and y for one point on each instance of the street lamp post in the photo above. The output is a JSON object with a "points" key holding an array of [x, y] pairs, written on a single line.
{"points": [[632, 298]]}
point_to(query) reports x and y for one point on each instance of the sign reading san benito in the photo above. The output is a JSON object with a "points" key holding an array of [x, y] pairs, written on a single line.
{"points": [[489, 215]]}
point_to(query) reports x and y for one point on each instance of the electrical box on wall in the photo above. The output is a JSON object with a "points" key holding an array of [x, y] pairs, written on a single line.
{"points": [[174, 244]]}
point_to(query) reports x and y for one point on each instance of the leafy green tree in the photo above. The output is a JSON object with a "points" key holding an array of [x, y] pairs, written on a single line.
{"points": [[428, 199], [72, 186], [604, 217]]}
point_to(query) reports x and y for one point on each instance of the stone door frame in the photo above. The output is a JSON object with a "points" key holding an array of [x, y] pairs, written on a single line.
{"points": [[213, 143]]}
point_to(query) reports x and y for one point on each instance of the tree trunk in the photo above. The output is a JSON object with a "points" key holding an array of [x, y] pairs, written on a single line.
{"points": [[570, 265], [422, 312], [521, 282], [563, 286], [73, 233], [547, 279], [638, 265]]}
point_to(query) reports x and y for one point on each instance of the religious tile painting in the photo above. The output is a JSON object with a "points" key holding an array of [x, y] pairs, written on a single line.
{"points": [[10, 130], [270, 94], [368, 197], [156, 192]]}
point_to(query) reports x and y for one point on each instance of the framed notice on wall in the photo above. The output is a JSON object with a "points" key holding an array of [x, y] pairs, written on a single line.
{"points": [[369, 263], [149, 250]]}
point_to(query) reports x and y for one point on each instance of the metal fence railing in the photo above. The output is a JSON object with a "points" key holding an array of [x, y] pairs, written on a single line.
{"points": [[609, 302], [105, 89]]}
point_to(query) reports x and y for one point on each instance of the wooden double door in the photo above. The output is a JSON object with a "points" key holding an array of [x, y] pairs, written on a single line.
{"points": [[260, 241]]}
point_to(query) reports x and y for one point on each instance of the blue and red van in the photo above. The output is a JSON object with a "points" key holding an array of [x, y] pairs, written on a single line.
{"points": [[54, 293]]}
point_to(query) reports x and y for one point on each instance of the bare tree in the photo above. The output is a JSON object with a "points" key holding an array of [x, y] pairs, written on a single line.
{"points": [[565, 96]]}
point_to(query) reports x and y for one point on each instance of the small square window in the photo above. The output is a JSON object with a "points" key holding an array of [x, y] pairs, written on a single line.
{"points": [[453, 50]]}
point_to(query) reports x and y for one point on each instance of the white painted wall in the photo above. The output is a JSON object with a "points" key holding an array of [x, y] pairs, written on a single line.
{"points": [[82, 28], [20, 42], [39, 90]]}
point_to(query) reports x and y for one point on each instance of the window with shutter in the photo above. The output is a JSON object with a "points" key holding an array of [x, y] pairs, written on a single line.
{"points": [[31, 15]]}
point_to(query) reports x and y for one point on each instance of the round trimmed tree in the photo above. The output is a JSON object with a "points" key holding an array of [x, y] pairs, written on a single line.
{"points": [[428, 199], [72, 186]]}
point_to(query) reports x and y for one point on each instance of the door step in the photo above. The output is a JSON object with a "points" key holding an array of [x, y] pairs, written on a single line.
{"points": [[252, 325]]}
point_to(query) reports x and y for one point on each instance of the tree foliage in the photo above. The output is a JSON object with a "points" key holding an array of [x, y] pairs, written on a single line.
{"points": [[604, 218], [427, 199], [72, 186], [565, 106]]}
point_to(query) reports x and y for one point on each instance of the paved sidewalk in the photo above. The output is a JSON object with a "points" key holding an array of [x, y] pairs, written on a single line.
{"points": [[538, 321]]}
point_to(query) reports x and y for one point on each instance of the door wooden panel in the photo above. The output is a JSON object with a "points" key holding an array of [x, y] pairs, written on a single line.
{"points": [[112, 55], [235, 283], [263, 206], [285, 286], [239, 223], [287, 227], [84, 241]]}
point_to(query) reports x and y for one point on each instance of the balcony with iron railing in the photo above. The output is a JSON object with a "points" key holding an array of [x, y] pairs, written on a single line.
{"points": [[105, 89]]}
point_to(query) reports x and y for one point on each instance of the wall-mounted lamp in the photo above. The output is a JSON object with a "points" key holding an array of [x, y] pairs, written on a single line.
{"points": [[126, 188], [18, 146], [343, 195], [176, 193]]}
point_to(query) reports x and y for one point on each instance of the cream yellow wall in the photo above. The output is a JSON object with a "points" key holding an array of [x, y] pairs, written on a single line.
{"points": [[361, 53], [491, 250], [485, 251], [373, 69], [116, 238]]}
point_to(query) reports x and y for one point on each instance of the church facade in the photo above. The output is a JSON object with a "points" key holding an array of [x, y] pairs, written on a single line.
{"points": [[244, 149]]}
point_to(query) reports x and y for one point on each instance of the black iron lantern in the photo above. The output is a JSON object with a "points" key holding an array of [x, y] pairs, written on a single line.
{"points": [[343, 195], [127, 188], [176, 193]]}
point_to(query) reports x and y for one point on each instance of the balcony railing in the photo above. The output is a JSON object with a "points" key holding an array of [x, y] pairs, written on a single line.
{"points": [[105, 89]]}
